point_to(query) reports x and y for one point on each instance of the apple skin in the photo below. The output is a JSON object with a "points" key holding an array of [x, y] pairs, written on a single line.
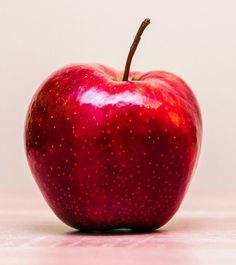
{"points": [[110, 154]]}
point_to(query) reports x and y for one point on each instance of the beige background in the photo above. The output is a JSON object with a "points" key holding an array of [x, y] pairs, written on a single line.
{"points": [[194, 39]]}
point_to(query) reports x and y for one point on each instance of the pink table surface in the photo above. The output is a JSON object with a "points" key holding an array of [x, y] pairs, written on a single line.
{"points": [[202, 232]]}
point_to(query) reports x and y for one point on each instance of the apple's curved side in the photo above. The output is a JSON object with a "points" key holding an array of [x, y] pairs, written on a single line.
{"points": [[190, 105]]}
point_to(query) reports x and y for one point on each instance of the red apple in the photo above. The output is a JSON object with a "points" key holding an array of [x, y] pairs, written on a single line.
{"points": [[110, 153]]}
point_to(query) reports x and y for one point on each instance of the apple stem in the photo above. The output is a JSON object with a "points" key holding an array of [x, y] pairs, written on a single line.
{"points": [[133, 47]]}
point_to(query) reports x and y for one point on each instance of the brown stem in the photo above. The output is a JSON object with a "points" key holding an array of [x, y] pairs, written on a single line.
{"points": [[133, 47]]}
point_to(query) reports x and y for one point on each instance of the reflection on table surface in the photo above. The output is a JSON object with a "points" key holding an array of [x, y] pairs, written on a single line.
{"points": [[202, 232]]}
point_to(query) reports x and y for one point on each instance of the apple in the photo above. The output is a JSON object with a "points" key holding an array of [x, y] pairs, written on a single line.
{"points": [[112, 149]]}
